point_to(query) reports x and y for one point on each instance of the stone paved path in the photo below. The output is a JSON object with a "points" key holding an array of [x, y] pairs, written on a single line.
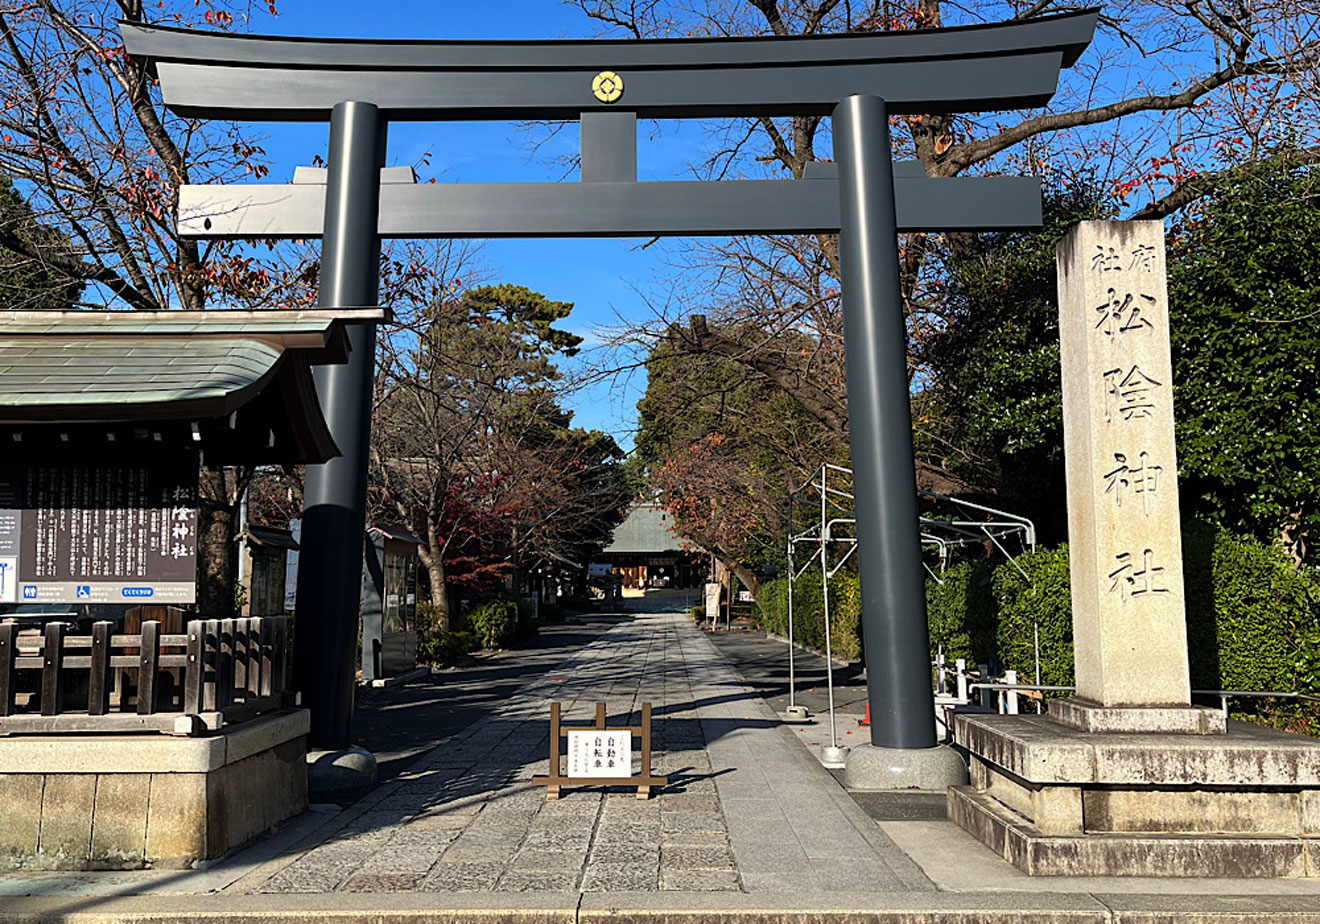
{"points": [[747, 808]]}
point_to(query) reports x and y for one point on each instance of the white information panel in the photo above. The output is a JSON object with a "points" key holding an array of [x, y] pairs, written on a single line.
{"points": [[599, 753]]}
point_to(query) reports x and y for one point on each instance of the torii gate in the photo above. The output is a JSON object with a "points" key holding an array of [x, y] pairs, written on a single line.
{"points": [[859, 80]]}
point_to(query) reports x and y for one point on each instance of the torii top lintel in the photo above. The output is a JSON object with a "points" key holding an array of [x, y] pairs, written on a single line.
{"points": [[960, 69]]}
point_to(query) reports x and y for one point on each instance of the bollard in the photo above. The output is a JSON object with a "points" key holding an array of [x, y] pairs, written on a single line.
{"points": [[985, 696]]}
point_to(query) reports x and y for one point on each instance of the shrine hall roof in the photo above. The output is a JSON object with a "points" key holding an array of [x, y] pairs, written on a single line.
{"points": [[79, 367], [648, 528]]}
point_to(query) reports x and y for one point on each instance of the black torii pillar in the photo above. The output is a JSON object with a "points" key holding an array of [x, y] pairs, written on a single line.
{"points": [[335, 496], [894, 629]]}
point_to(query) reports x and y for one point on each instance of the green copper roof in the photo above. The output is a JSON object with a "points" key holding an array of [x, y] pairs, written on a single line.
{"points": [[648, 528], [61, 371], [241, 380]]}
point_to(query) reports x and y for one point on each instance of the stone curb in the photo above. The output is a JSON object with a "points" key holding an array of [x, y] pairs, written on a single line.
{"points": [[671, 908]]}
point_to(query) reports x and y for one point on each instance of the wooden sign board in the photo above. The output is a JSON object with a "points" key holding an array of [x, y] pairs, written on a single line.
{"points": [[599, 755]]}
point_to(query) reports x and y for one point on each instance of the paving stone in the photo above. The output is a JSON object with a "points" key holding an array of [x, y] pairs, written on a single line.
{"points": [[459, 853], [302, 877], [462, 877], [628, 834], [695, 838], [692, 821], [546, 860], [538, 881], [620, 878], [715, 858], [492, 835], [441, 822], [557, 839], [689, 802], [382, 882], [434, 839], [699, 880], [403, 859], [642, 852]]}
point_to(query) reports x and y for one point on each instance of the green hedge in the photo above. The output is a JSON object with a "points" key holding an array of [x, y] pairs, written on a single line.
{"points": [[1040, 602], [1253, 618], [961, 615], [1256, 624], [809, 612]]}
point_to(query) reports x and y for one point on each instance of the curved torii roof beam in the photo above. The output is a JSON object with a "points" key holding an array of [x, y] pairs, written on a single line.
{"points": [[960, 69]]}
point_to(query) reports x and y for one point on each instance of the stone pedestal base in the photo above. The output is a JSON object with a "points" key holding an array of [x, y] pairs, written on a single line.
{"points": [[1056, 801], [1167, 720], [336, 771], [131, 801], [870, 767]]}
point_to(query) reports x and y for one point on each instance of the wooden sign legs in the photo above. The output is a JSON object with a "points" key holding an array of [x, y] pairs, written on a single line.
{"points": [[555, 779]]}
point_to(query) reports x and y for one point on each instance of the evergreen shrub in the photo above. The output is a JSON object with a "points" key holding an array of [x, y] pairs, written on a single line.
{"points": [[1041, 601], [809, 612], [960, 611], [1255, 625], [493, 622], [1253, 619]]}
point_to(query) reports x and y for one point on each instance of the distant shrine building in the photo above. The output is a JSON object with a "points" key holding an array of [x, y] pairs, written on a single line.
{"points": [[647, 554]]}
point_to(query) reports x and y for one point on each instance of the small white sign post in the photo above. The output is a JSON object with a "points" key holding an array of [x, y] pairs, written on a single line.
{"points": [[713, 603]]}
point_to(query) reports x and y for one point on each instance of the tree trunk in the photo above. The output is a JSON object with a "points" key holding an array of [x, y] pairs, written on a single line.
{"points": [[749, 580], [435, 570], [217, 547]]}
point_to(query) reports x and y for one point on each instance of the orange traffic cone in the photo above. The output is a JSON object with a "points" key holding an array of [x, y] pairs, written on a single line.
{"points": [[866, 722]]}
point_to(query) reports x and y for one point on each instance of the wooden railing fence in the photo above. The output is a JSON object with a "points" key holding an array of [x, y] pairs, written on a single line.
{"points": [[219, 671]]}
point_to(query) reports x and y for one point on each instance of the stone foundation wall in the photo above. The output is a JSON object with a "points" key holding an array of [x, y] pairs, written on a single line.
{"points": [[132, 801], [1055, 801]]}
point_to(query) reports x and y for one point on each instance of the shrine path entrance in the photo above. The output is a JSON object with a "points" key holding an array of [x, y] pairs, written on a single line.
{"points": [[747, 809]]}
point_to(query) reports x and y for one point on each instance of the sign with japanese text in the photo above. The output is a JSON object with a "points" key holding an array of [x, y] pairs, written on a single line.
{"points": [[595, 753], [1124, 528], [99, 533]]}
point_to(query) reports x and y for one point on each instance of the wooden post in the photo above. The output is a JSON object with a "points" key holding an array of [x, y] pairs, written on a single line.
{"points": [[224, 666], [279, 657], [644, 792], [8, 651], [194, 673], [98, 680], [268, 654], [52, 665], [210, 664], [8, 675], [148, 665], [240, 656], [552, 789], [600, 716], [254, 661]]}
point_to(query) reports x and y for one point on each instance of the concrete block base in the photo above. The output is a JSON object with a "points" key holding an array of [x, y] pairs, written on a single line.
{"points": [[1017, 840], [1169, 720], [1056, 801], [872, 768], [133, 801]]}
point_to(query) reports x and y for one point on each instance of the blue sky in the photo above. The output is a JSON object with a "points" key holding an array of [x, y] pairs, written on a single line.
{"points": [[602, 277]]}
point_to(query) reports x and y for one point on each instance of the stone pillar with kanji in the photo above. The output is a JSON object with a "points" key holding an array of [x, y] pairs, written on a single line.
{"points": [[1129, 622]]}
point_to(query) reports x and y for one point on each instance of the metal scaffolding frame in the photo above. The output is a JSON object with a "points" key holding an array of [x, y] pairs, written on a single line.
{"points": [[834, 502]]}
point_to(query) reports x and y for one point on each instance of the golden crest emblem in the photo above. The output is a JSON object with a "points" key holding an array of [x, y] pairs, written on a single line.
{"points": [[607, 87]]}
